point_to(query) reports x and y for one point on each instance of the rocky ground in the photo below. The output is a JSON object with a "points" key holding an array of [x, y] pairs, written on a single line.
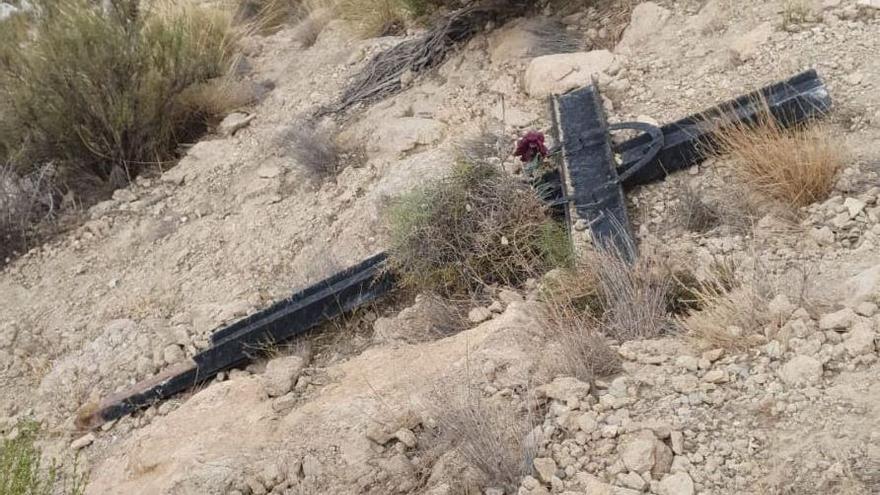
{"points": [[239, 223]]}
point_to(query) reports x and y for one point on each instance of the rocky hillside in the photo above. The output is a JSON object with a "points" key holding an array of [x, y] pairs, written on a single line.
{"points": [[791, 407]]}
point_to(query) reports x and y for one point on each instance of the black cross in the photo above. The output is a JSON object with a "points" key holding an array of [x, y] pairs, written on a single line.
{"points": [[593, 183]]}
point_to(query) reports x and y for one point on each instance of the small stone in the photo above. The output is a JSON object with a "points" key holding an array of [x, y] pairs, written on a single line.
{"points": [[311, 466], [839, 320], [801, 370], [284, 403], [268, 171], [233, 122], [867, 309], [587, 422], [676, 438], [83, 441], [637, 451], [592, 485], [546, 468], [564, 388], [255, 485], [676, 484], [715, 376], [823, 236], [861, 339], [508, 296], [632, 480], [780, 307], [689, 363], [406, 437], [854, 206], [173, 354], [479, 315], [713, 355], [281, 373], [496, 307]]}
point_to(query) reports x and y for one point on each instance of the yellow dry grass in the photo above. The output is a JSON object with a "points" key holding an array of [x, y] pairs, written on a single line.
{"points": [[794, 166]]}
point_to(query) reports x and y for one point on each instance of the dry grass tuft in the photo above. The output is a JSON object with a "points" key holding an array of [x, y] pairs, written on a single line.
{"points": [[693, 212], [796, 12], [552, 37], [267, 16], [375, 17], [794, 166], [635, 298], [212, 100], [732, 308], [24, 203], [603, 295], [490, 435], [310, 27], [583, 352], [313, 149], [485, 147], [476, 228]]}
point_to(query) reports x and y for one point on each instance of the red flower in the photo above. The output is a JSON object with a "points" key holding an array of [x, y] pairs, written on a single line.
{"points": [[530, 146]]}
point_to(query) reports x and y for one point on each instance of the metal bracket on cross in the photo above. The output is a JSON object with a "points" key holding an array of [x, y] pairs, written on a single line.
{"points": [[593, 182]]}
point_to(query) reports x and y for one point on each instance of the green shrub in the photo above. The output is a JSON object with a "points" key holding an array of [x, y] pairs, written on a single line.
{"points": [[98, 91], [21, 473], [475, 228]]}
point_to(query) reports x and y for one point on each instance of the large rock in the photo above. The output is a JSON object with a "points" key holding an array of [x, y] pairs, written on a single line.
{"points": [[647, 19], [556, 74], [281, 374], [801, 370]]}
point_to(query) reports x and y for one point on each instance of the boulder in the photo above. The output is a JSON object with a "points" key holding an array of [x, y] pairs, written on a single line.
{"points": [[556, 74]]}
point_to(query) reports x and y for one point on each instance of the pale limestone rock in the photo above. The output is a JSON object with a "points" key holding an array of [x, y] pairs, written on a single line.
{"points": [[281, 374], [557, 74], [801, 370]]}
